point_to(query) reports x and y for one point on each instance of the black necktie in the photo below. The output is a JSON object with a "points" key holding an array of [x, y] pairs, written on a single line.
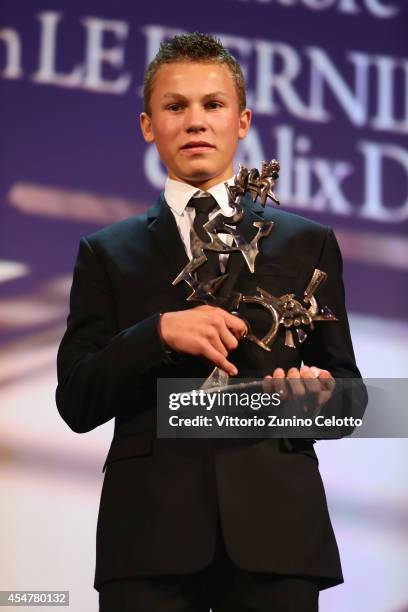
{"points": [[203, 206]]}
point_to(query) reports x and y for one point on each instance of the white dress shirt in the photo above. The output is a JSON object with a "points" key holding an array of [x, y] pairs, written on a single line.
{"points": [[178, 194]]}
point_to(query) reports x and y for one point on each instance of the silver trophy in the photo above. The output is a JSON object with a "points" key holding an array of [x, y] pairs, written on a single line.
{"points": [[294, 315]]}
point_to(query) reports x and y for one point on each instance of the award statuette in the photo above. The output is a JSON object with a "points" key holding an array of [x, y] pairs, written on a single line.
{"points": [[292, 314]]}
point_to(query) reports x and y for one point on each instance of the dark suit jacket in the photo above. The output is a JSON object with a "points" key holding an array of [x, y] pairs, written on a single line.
{"points": [[161, 498]]}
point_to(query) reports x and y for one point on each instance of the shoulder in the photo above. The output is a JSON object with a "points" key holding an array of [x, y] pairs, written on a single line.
{"points": [[298, 237], [293, 223], [119, 231], [132, 233], [117, 241]]}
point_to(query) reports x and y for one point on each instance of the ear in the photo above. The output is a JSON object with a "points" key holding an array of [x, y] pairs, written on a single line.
{"points": [[245, 117], [146, 127]]}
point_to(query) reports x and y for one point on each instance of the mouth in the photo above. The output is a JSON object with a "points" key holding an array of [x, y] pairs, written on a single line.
{"points": [[197, 146]]}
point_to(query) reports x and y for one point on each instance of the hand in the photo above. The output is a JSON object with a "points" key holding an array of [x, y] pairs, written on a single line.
{"points": [[207, 331], [310, 385]]}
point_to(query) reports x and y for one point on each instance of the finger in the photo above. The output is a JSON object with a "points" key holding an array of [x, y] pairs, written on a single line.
{"points": [[232, 328], [310, 381], [213, 337], [227, 338], [242, 333], [268, 385], [316, 371], [327, 386], [280, 384], [295, 383], [219, 360], [312, 387], [323, 397], [235, 324], [326, 378], [247, 329], [279, 373]]}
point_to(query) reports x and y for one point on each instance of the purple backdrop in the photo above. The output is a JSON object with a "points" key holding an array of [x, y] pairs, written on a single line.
{"points": [[328, 82]]}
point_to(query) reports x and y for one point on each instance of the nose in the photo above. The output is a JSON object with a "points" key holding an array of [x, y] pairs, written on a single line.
{"points": [[195, 120]]}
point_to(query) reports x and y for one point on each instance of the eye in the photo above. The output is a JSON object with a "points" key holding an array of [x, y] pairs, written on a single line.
{"points": [[213, 104], [174, 107]]}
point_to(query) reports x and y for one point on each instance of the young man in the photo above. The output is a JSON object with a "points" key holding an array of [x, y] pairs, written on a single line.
{"points": [[197, 524]]}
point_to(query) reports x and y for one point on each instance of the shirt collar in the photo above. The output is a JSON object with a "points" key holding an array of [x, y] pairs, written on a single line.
{"points": [[178, 194]]}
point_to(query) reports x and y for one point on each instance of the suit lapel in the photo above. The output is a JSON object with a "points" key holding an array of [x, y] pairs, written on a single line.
{"points": [[164, 230], [236, 266]]}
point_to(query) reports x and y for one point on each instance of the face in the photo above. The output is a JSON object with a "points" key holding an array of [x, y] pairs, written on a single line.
{"points": [[195, 121]]}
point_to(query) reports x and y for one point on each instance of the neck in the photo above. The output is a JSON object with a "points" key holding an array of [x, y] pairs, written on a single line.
{"points": [[204, 184]]}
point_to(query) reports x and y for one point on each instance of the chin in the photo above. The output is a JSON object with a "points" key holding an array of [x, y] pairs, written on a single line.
{"points": [[198, 175]]}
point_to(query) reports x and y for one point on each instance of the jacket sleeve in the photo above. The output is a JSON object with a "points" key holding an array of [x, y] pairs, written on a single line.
{"points": [[96, 364], [329, 345]]}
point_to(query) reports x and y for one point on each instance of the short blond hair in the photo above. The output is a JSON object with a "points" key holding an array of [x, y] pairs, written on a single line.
{"points": [[194, 47]]}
